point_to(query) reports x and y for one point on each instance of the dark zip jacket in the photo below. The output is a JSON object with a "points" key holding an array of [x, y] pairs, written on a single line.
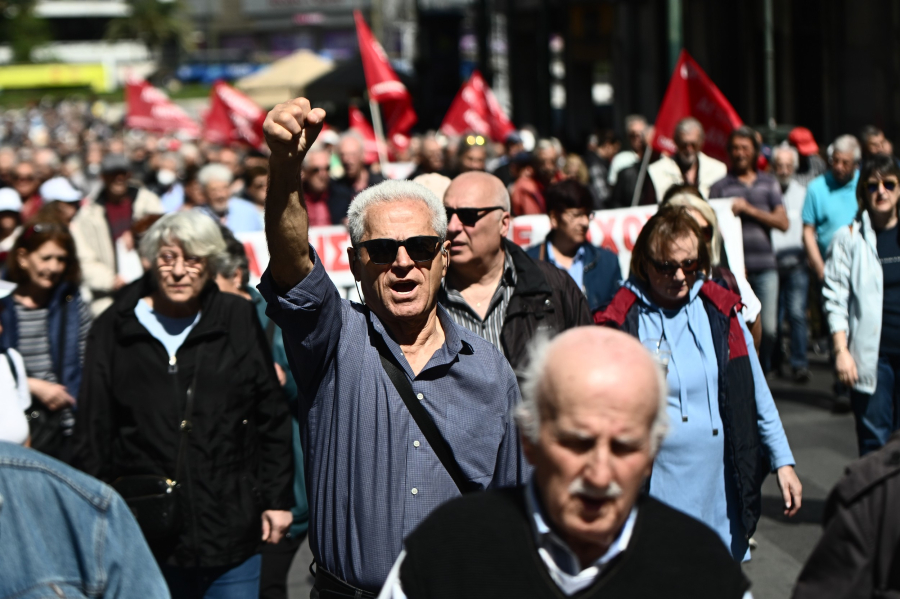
{"points": [[744, 451], [238, 459], [545, 298]]}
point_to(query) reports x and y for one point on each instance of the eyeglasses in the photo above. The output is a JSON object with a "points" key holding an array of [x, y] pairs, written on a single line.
{"points": [[670, 268], [576, 213], [889, 185], [421, 248], [470, 216], [168, 260], [317, 169], [24, 177]]}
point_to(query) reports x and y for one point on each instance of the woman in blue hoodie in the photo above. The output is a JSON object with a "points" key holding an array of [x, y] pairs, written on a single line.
{"points": [[725, 433]]}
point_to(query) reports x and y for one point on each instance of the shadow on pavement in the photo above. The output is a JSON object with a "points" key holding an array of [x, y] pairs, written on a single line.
{"points": [[811, 511]]}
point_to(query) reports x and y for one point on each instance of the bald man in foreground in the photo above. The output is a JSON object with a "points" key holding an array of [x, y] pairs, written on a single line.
{"points": [[581, 525], [493, 288]]}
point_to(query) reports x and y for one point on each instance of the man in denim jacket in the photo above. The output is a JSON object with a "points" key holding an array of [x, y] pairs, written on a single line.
{"points": [[65, 534]]}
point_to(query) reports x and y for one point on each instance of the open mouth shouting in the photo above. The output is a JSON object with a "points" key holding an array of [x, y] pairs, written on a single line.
{"points": [[403, 288]]}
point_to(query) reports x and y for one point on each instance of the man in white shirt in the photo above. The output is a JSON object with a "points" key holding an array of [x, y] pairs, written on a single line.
{"points": [[591, 428], [689, 165]]}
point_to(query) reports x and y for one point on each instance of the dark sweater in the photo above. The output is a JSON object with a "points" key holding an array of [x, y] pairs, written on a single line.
{"points": [[483, 545]]}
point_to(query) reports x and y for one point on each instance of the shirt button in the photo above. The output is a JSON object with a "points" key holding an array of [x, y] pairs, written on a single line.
{"points": [[419, 396], [415, 443], [415, 491]]}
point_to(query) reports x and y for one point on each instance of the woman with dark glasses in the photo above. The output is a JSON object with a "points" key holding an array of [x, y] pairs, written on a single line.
{"points": [[46, 320], [725, 432], [862, 301]]}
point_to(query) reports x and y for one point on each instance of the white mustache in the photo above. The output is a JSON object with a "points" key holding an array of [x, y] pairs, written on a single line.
{"points": [[579, 487]]}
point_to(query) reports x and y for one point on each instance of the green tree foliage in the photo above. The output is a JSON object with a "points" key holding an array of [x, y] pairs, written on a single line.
{"points": [[22, 28], [155, 22]]}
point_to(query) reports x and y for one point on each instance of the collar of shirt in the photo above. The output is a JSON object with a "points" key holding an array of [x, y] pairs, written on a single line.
{"points": [[456, 300], [576, 270], [453, 344], [562, 564]]}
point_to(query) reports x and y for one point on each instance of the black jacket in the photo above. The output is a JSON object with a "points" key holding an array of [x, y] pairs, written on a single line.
{"points": [[545, 298], [483, 545], [238, 459]]}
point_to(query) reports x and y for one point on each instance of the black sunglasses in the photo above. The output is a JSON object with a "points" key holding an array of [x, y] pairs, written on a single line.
{"points": [[421, 248], [670, 268], [470, 216], [889, 185]]}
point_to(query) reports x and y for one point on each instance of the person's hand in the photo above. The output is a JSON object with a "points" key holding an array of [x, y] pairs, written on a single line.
{"points": [[282, 376], [791, 490], [739, 206], [52, 395], [291, 128], [820, 271], [845, 366], [118, 283], [275, 524]]}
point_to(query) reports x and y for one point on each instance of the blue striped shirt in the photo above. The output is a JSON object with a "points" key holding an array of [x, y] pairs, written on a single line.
{"points": [[370, 474]]}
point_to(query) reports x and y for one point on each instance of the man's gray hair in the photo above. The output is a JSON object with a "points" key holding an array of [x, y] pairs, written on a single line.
{"points": [[845, 144], [394, 191], [786, 147], [215, 172], [528, 412], [686, 124], [197, 233], [355, 136], [631, 119]]}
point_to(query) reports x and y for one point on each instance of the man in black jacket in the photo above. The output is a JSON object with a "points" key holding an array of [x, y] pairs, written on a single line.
{"points": [[581, 526], [493, 288]]}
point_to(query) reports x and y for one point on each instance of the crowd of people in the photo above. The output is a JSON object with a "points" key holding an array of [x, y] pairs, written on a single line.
{"points": [[228, 424]]}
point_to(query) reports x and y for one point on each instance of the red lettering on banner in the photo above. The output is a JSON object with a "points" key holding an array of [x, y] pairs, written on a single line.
{"points": [[252, 262], [339, 243], [606, 228], [522, 235], [631, 228]]}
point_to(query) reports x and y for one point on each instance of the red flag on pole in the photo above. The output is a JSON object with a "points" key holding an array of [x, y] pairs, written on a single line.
{"points": [[233, 118], [361, 125], [151, 110], [475, 108], [692, 93], [382, 82]]}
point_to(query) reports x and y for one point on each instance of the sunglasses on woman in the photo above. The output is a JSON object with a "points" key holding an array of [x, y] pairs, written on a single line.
{"points": [[421, 248], [670, 268], [889, 185], [470, 216]]}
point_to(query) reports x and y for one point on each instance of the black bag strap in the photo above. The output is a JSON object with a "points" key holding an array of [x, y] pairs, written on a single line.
{"points": [[423, 419], [12, 369]]}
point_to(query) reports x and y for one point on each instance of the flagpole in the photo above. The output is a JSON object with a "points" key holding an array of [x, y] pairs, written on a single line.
{"points": [[642, 174], [379, 135]]}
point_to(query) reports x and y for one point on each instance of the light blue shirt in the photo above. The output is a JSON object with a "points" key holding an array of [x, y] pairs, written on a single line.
{"points": [[171, 332], [576, 271], [689, 472], [241, 217], [829, 206], [173, 199]]}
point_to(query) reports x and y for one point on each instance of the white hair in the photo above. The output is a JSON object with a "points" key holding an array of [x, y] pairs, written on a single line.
{"points": [[845, 144], [687, 124], [528, 412], [631, 119], [394, 191], [194, 231], [214, 172], [786, 147]]}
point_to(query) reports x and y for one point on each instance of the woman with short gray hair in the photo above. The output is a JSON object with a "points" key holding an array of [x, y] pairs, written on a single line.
{"points": [[182, 413]]}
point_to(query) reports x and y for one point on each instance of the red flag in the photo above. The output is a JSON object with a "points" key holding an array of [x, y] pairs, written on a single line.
{"points": [[475, 108], [692, 93], [151, 110], [382, 82], [233, 118], [361, 125]]}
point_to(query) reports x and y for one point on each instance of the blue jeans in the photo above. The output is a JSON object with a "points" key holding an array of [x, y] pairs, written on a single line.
{"points": [[793, 290], [878, 415], [240, 581], [765, 285]]}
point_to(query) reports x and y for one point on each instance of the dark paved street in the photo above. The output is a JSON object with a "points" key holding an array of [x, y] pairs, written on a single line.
{"points": [[823, 443]]}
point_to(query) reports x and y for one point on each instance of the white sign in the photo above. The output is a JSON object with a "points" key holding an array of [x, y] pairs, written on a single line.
{"points": [[616, 230]]}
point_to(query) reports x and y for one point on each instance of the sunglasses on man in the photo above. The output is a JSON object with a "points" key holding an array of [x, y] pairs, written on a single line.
{"points": [[889, 185], [470, 216], [421, 248], [670, 268]]}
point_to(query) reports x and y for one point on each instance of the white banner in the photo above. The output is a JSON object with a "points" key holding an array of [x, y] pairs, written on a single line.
{"points": [[616, 230]]}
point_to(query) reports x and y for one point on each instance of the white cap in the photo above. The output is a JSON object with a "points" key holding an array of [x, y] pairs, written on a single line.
{"points": [[59, 189], [10, 200]]}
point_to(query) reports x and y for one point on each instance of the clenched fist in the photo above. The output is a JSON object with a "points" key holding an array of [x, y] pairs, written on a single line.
{"points": [[291, 128]]}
